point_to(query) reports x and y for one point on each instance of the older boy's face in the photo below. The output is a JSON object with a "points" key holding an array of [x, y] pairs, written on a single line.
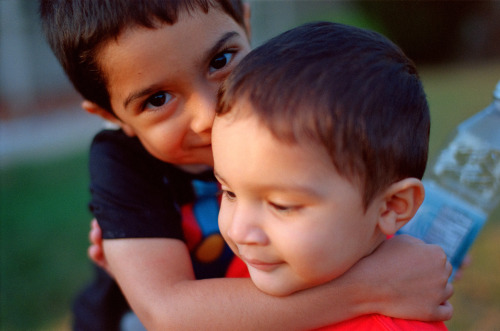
{"points": [[285, 210], [163, 82]]}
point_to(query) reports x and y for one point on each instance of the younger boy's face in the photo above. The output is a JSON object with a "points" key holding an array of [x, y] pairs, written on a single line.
{"points": [[285, 210], [163, 82]]}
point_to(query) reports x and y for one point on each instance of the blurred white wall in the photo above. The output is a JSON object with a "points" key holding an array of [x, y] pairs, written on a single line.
{"points": [[31, 79], [40, 115]]}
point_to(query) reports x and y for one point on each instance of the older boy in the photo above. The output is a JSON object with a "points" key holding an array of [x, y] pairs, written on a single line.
{"points": [[153, 68], [319, 145]]}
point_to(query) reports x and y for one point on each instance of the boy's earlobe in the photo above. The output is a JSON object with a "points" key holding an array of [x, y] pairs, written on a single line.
{"points": [[95, 109], [401, 201]]}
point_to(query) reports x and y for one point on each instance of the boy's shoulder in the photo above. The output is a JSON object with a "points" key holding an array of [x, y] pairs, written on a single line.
{"points": [[115, 147], [122, 164], [116, 139], [119, 160]]}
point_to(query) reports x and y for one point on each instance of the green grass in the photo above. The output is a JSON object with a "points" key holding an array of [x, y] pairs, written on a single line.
{"points": [[45, 222]]}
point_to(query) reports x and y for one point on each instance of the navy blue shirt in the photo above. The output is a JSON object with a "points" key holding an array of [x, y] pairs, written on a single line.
{"points": [[135, 195]]}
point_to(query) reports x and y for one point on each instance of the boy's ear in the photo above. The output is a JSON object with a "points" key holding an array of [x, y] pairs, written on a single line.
{"points": [[400, 203], [246, 19], [95, 109]]}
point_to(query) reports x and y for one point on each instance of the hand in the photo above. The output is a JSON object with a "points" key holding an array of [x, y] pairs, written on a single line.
{"points": [[409, 279], [95, 250], [465, 263]]}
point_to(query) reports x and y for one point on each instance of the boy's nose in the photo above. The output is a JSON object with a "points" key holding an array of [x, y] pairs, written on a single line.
{"points": [[203, 110], [246, 229]]}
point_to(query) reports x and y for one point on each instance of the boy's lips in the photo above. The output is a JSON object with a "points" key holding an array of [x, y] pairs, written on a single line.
{"points": [[261, 265]]}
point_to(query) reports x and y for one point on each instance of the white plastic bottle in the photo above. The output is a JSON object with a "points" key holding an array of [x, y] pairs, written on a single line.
{"points": [[462, 186]]}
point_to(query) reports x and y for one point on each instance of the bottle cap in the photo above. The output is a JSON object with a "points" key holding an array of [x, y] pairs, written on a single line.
{"points": [[496, 93]]}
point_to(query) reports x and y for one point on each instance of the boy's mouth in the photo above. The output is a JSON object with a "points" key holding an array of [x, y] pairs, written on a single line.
{"points": [[259, 264], [263, 266]]}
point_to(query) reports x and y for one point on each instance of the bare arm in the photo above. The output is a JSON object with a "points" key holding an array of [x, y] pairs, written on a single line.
{"points": [[406, 278], [157, 278]]}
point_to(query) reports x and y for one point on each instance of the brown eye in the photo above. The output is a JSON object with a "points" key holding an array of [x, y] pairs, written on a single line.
{"points": [[158, 100], [220, 60]]}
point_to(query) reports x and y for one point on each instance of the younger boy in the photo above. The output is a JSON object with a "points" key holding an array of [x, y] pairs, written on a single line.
{"points": [[319, 143], [153, 67]]}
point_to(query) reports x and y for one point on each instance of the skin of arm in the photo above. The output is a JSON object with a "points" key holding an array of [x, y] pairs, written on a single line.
{"points": [[158, 281]]}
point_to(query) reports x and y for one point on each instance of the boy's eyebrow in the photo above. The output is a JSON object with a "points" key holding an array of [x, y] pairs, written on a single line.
{"points": [[210, 53], [138, 94], [302, 189], [215, 48]]}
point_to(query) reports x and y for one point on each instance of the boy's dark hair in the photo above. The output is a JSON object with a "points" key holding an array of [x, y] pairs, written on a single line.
{"points": [[351, 90], [77, 29]]}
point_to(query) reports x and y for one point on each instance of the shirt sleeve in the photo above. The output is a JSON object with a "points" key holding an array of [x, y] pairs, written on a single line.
{"points": [[130, 197]]}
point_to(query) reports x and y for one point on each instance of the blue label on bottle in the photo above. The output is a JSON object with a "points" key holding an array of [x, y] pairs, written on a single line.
{"points": [[447, 221]]}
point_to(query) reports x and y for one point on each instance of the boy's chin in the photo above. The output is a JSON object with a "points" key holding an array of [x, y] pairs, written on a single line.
{"points": [[281, 290]]}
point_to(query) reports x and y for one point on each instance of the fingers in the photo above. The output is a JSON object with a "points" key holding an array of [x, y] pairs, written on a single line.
{"points": [[465, 263], [95, 254], [444, 312], [95, 238], [442, 260], [448, 291], [95, 251], [409, 239], [449, 268], [95, 234]]}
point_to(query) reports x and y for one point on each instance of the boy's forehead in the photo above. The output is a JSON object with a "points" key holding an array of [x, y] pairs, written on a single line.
{"points": [[144, 57]]}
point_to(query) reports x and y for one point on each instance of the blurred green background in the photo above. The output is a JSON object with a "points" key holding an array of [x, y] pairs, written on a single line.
{"points": [[43, 213]]}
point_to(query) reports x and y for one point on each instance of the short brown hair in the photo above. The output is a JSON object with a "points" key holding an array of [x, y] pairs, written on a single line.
{"points": [[77, 29], [351, 90]]}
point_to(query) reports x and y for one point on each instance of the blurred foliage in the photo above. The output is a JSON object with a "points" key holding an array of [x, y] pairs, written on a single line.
{"points": [[428, 31]]}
